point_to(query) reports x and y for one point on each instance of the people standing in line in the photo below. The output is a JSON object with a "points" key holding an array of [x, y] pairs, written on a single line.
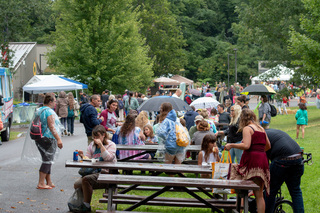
{"points": [[286, 166], [232, 132], [264, 112], [131, 103], [101, 149], [189, 117], [73, 107], [104, 99], [130, 134], [51, 130], [89, 115], [109, 116], [62, 110], [209, 152], [177, 94], [302, 119], [254, 162], [167, 131]]}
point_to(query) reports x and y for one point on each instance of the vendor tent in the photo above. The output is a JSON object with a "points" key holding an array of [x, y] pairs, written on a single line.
{"points": [[182, 79], [282, 73], [52, 83], [166, 81]]}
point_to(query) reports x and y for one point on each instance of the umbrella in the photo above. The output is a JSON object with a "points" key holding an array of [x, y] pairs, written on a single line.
{"points": [[208, 94], [205, 103], [153, 104], [258, 89], [195, 92]]}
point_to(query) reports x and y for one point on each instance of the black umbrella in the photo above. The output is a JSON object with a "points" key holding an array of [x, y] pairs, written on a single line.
{"points": [[153, 104], [258, 89]]}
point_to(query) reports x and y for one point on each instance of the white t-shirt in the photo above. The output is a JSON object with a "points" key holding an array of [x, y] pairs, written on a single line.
{"points": [[210, 159]]}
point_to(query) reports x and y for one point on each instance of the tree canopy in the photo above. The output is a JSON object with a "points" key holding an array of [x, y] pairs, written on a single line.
{"points": [[99, 43]]}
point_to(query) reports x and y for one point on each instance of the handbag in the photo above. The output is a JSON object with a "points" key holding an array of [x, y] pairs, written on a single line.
{"points": [[220, 170], [88, 171]]}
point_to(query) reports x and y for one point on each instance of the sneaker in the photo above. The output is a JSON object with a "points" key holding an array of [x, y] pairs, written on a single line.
{"points": [[69, 133], [65, 132]]}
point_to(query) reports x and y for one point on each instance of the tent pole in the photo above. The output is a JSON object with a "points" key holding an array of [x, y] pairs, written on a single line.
{"points": [[77, 95], [22, 96]]}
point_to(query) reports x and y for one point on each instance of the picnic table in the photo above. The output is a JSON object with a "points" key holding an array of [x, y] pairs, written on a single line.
{"points": [[150, 148], [168, 183], [181, 184]]}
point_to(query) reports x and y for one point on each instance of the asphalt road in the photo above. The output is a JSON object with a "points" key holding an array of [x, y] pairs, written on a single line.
{"points": [[19, 179]]}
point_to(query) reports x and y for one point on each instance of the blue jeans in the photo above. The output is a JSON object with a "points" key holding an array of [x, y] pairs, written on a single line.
{"points": [[236, 153], [70, 121], [290, 172], [63, 121]]}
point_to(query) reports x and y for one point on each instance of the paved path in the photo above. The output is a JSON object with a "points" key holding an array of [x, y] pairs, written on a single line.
{"points": [[18, 180]]}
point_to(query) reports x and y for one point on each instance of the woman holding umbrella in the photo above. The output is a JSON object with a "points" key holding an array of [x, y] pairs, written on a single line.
{"points": [[264, 112]]}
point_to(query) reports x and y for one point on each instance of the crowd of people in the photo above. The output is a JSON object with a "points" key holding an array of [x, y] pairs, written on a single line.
{"points": [[114, 119]]}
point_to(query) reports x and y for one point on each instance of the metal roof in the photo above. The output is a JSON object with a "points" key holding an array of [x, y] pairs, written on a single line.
{"points": [[20, 51]]}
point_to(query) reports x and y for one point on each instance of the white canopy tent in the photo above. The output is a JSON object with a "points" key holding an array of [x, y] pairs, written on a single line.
{"points": [[282, 74], [50, 83]]}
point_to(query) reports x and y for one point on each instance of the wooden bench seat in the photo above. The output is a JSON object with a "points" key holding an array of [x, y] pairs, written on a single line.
{"points": [[106, 211], [157, 188], [154, 202], [180, 184]]}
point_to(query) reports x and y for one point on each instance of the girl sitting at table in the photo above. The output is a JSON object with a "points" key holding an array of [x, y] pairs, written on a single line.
{"points": [[101, 149], [149, 134], [209, 152], [130, 134]]}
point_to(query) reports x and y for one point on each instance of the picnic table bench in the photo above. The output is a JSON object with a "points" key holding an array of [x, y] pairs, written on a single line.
{"points": [[150, 148], [180, 184]]}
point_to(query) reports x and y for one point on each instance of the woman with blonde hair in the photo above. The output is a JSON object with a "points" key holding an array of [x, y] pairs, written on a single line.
{"points": [[234, 136], [142, 119], [254, 162]]}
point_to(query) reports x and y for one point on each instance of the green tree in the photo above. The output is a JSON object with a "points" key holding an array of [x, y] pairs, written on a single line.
{"points": [[163, 36], [98, 43], [306, 44], [266, 23]]}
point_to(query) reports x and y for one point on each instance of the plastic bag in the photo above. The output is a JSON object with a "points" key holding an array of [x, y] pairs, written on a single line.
{"points": [[220, 171], [76, 200]]}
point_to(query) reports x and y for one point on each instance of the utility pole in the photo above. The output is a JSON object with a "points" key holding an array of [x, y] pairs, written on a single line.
{"points": [[235, 59]]}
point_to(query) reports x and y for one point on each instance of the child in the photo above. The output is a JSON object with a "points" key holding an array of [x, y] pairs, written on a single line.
{"points": [[284, 104], [150, 136], [214, 115], [209, 152], [302, 118]]}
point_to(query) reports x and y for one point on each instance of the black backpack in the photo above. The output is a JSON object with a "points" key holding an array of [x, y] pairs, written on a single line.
{"points": [[273, 111], [35, 128]]}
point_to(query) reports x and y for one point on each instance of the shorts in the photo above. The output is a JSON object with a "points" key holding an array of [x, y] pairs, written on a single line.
{"points": [[47, 148], [92, 180]]}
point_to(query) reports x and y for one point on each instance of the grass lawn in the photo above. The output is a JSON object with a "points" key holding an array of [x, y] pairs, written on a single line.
{"points": [[310, 180]]}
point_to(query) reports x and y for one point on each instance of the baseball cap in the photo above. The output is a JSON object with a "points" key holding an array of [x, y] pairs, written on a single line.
{"points": [[198, 118]]}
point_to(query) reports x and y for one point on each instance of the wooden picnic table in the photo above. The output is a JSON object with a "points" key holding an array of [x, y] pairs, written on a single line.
{"points": [[242, 187], [150, 148], [159, 168]]}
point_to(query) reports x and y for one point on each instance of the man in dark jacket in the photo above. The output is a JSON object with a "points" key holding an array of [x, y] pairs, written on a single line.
{"points": [[224, 117], [189, 117], [105, 98], [286, 166], [89, 115]]}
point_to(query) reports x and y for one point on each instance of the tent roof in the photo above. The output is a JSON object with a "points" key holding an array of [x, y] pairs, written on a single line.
{"points": [[51, 83], [166, 81], [284, 74], [182, 79]]}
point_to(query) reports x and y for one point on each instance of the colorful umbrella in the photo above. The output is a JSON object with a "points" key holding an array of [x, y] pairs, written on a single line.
{"points": [[258, 89]]}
